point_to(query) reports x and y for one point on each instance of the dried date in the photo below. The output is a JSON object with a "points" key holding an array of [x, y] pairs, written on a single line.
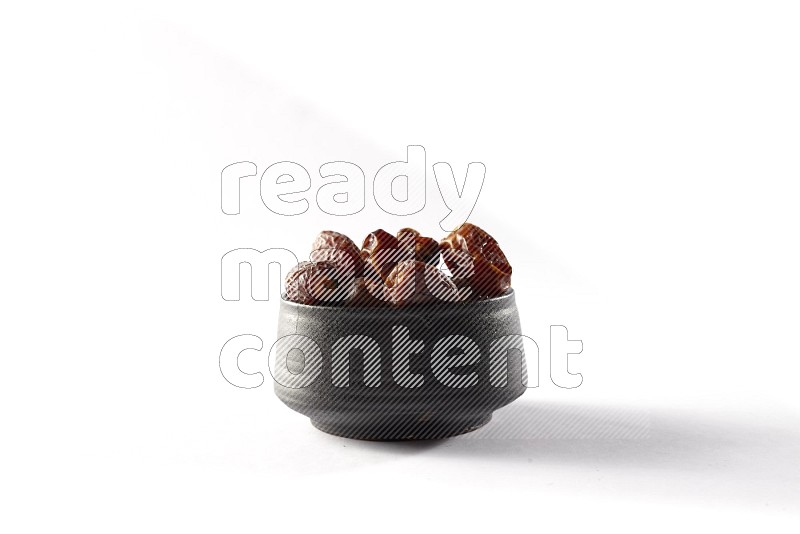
{"points": [[319, 282], [337, 248], [426, 249], [416, 282], [491, 272], [382, 250]]}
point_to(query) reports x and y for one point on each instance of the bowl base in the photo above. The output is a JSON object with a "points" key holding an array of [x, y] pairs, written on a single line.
{"points": [[402, 430]]}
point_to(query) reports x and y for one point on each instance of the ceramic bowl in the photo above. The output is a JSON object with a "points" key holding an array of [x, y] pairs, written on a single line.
{"points": [[418, 372]]}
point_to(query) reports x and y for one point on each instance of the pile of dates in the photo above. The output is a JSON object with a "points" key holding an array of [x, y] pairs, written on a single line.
{"points": [[400, 270]]}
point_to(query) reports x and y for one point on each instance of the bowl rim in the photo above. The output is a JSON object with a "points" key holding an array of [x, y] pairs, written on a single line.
{"points": [[433, 306]]}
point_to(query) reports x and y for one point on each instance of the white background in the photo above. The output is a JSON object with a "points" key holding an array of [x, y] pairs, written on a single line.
{"points": [[642, 167]]}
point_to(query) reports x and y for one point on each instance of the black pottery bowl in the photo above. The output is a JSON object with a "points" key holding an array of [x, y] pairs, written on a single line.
{"points": [[419, 372]]}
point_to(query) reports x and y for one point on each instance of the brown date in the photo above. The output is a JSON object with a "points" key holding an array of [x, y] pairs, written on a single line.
{"points": [[416, 282], [334, 247], [318, 282], [382, 250], [370, 289], [491, 272], [426, 249]]}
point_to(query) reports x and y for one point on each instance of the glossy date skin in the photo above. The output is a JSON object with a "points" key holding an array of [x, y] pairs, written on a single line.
{"points": [[319, 282], [426, 249], [490, 271], [400, 270], [416, 282], [330, 245], [381, 250]]}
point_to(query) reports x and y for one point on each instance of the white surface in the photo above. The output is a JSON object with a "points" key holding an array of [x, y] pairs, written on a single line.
{"points": [[641, 175]]}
